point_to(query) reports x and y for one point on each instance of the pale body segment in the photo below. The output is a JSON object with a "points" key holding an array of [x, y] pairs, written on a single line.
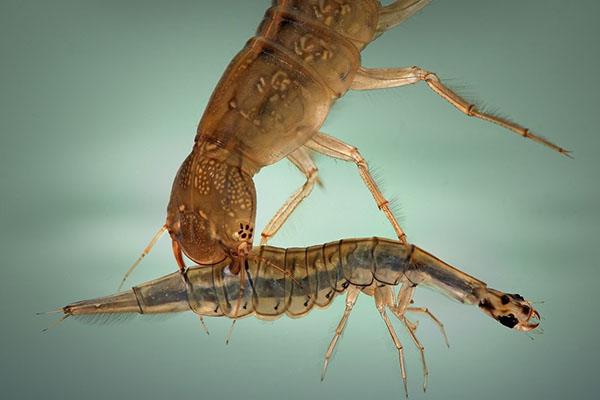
{"points": [[311, 278]]}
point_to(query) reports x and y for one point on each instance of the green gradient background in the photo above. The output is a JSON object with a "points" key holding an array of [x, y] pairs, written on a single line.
{"points": [[99, 101]]}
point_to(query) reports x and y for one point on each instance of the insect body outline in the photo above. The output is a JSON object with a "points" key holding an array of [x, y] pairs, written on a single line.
{"points": [[270, 104], [311, 278]]}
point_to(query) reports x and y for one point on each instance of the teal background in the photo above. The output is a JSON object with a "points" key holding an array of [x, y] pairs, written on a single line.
{"points": [[99, 101]]}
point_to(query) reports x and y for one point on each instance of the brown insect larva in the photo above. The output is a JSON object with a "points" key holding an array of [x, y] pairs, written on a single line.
{"points": [[270, 104]]}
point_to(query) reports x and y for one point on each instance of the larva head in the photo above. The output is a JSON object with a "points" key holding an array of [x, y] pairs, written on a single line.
{"points": [[212, 209], [511, 310]]}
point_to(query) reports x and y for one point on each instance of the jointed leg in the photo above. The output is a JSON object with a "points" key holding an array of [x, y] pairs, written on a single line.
{"points": [[426, 312], [405, 295], [301, 159], [204, 327], [333, 147], [404, 299], [411, 327], [353, 293], [192, 301], [383, 298], [378, 78]]}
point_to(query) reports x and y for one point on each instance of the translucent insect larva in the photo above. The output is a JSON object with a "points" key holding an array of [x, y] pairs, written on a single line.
{"points": [[311, 278]]}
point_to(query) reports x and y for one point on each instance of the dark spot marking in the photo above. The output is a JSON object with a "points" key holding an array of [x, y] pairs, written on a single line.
{"points": [[306, 303], [508, 320], [486, 305], [346, 284], [328, 295], [276, 306], [526, 310], [244, 236], [505, 299], [241, 226], [245, 306], [285, 22], [250, 236], [216, 308], [518, 296], [247, 226], [251, 229]]}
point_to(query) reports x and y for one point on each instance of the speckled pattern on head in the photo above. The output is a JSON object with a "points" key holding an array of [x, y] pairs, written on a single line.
{"points": [[273, 97]]}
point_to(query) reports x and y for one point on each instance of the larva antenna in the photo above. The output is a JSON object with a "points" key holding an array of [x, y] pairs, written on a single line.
{"points": [[151, 244]]}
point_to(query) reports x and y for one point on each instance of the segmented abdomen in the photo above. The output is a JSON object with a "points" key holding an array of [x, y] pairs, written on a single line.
{"points": [[313, 276], [277, 91]]}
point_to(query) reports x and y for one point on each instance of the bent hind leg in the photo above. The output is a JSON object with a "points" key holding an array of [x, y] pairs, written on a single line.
{"points": [[381, 78], [384, 297]]}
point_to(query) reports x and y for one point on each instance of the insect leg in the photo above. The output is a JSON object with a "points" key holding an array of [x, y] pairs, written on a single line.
{"points": [[333, 147], [405, 295], [426, 312], [379, 78], [393, 14], [411, 327], [301, 159], [353, 293], [404, 298], [204, 327], [383, 298]]}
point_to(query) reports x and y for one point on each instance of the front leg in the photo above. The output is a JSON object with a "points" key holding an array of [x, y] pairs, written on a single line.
{"points": [[380, 78], [302, 160], [333, 147]]}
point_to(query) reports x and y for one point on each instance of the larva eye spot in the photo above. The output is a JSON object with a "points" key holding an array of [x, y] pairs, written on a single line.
{"points": [[508, 320], [517, 296]]}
